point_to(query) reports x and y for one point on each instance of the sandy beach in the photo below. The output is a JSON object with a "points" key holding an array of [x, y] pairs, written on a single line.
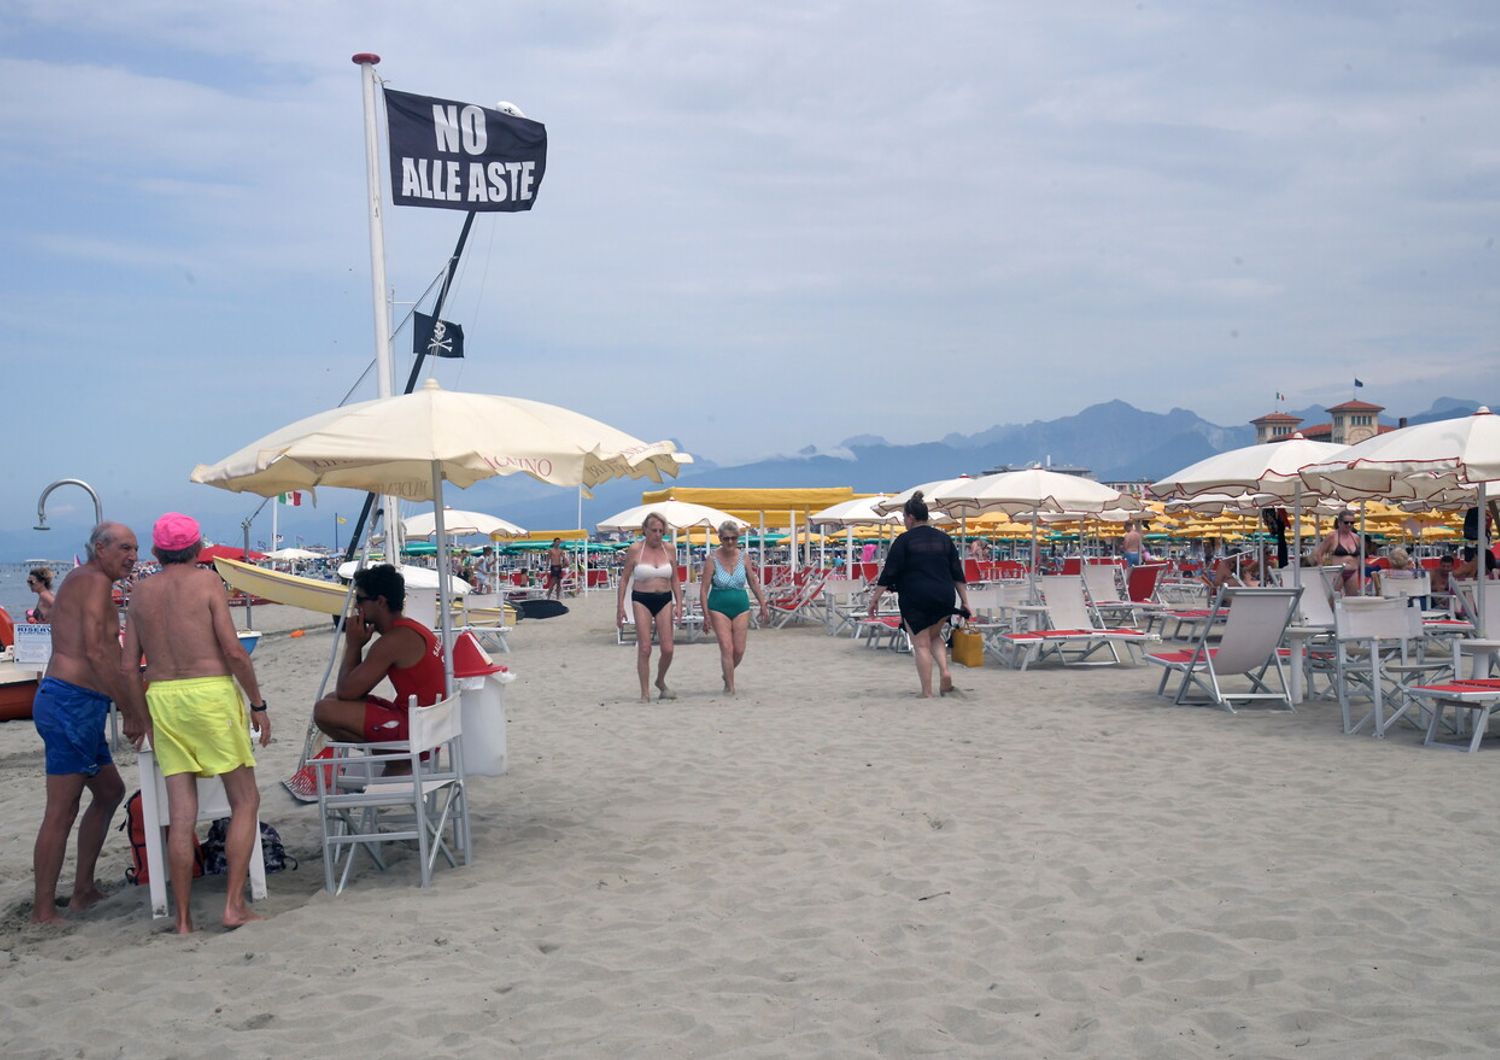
{"points": [[1049, 863]]}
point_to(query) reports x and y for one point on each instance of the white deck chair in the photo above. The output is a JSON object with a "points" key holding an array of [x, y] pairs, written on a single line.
{"points": [[1249, 647], [212, 804], [1103, 584], [361, 810], [483, 615], [1072, 628], [1387, 629], [841, 604]]}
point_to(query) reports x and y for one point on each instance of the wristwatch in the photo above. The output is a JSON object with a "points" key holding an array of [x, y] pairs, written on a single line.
{"points": [[260, 709]]}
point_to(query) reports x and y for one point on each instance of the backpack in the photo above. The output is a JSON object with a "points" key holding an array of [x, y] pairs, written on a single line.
{"points": [[134, 826], [271, 850]]}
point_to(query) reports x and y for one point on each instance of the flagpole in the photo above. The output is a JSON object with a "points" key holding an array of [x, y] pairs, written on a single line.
{"points": [[383, 358]]}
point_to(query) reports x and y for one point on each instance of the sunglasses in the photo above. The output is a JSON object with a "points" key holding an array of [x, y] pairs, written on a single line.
{"points": [[362, 599]]}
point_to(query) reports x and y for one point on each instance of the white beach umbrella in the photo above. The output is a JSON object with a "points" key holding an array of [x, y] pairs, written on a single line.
{"points": [[1268, 468], [457, 523], [896, 501], [1035, 490], [284, 554], [859, 512], [407, 446], [1414, 462], [1032, 490], [1430, 460], [679, 515]]}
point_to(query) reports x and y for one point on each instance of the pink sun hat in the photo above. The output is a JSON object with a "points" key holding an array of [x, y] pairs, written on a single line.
{"points": [[175, 531]]}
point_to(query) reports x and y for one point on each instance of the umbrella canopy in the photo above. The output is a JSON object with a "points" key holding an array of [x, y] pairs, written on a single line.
{"points": [[458, 523], [1414, 463], [1431, 460], [896, 502], [859, 512], [1267, 468], [390, 446], [1034, 489], [407, 446], [678, 514], [284, 554]]}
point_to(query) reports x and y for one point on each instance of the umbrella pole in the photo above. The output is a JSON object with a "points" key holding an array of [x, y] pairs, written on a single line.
{"points": [[1481, 571], [1360, 581], [1297, 536], [1036, 517], [445, 611]]}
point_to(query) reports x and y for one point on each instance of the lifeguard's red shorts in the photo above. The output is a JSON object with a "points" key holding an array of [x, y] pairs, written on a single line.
{"points": [[384, 720]]}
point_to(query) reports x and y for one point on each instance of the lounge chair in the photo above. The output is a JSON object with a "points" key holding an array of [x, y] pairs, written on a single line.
{"points": [[1071, 628], [1254, 621], [1481, 695]]}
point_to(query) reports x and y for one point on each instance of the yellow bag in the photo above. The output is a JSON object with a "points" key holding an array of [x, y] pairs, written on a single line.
{"points": [[968, 647]]}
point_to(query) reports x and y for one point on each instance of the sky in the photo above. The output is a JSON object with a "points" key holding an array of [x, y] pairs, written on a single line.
{"points": [[761, 227]]}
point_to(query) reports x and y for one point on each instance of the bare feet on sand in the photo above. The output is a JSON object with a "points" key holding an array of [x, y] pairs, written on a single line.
{"points": [[666, 693], [48, 916], [82, 900], [239, 916], [946, 686]]}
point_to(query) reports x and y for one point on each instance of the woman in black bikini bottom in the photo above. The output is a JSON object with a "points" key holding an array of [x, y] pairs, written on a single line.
{"points": [[652, 602]]}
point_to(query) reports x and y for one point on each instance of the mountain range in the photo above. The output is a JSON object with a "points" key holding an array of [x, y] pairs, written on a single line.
{"points": [[1114, 440]]}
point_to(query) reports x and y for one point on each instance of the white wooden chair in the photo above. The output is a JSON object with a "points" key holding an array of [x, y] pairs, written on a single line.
{"points": [[363, 810], [483, 614], [213, 803], [1373, 638]]}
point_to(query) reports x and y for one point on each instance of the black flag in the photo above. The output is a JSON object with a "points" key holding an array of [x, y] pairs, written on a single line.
{"points": [[436, 338], [459, 156]]}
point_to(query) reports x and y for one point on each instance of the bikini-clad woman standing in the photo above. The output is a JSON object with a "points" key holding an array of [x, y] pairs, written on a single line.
{"points": [[727, 582], [1342, 545], [655, 596]]}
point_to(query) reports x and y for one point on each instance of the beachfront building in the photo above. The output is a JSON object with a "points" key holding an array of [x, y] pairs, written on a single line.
{"points": [[1275, 426], [1351, 422]]}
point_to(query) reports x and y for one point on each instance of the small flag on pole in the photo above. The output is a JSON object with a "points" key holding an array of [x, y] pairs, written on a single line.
{"points": [[341, 519], [293, 498], [1280, 396], [1358, 383]]}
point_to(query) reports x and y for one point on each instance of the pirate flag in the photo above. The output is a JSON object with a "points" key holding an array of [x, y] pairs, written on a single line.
{"points": [[437, 338]]}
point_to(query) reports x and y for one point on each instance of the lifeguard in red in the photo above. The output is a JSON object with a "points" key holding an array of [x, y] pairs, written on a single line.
{"points": [[406, 652]]}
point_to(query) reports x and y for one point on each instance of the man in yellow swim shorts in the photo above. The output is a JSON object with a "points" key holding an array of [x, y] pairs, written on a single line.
{"points": [[179, 620]]}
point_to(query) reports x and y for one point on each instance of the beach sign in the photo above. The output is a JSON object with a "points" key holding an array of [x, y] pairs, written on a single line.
{"points": [[459, 156], [33, 644]]}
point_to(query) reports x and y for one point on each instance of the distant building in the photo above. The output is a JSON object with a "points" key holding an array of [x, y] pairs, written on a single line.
{"points": [[1274, 426], [1352, 422]]}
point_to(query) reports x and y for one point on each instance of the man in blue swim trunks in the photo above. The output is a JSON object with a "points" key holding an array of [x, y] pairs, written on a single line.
{"points": [[70, 710]]}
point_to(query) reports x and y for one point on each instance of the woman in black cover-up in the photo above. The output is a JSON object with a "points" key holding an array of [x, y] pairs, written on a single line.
{"points": [[924, 569]]}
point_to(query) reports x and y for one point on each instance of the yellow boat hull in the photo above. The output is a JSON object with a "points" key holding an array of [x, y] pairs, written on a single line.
{"points": [[310, 594], [325, 598]]}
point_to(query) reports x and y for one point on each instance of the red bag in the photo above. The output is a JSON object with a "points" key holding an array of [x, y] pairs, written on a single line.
{"points": [[134, 826]]}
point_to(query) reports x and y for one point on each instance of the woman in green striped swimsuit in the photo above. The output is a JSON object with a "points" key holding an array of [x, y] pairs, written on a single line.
{"points": [[727, 582]]}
